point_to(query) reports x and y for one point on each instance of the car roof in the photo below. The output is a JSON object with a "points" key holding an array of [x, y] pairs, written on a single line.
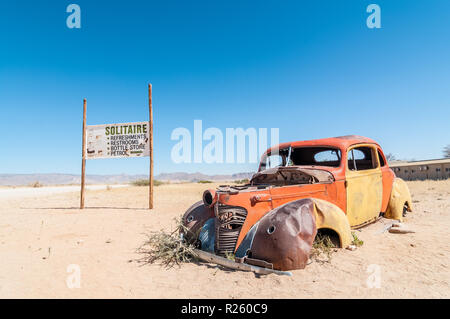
{"points": [[341, 142]]}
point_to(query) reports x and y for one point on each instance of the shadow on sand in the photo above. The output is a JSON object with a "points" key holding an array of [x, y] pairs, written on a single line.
{"points": [[78, 208]]}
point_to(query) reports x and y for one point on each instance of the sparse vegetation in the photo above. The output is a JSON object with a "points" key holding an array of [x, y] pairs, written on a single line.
{"points": [[241, 181], [167, 248], [36, 184], [146, 182], [356, 241], [230, 256], [446, 151], [204, 182], [390, 157], [322, 248]]}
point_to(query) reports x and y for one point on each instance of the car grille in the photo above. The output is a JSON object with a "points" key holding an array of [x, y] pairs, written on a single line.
{"points": [[228, 225]]}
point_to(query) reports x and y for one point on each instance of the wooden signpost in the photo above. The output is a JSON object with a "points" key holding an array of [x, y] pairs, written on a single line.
{"points": [[83, 157], [150, 123], [120, 140]]}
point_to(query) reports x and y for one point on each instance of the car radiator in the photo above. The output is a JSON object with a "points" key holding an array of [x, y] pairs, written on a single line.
{"points": [[228, 224]]}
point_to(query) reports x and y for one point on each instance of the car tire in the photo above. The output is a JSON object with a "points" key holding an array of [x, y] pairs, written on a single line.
{"points": [[405, 210]]}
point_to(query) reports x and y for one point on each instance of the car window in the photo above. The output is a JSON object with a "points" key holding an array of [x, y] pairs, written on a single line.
{"points": [[361, 158], [326, 156], [320, 156], [274, 161], [380, 157]]}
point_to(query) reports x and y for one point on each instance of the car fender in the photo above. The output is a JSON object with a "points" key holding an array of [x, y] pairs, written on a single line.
{"points": [[399, 196], [194, 219], [284, 236], [330, 216]]}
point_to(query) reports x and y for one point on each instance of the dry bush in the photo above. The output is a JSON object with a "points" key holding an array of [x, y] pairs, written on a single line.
{"points": [[168, 249], [322, 249], [36, 184], [146, 182]]}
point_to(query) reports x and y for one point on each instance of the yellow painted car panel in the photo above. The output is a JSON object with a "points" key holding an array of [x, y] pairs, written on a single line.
{"points": [[400, 196], [364, 195], [364, 189], [329, 216]]}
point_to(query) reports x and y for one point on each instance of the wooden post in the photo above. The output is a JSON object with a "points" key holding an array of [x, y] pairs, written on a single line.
{"points": [[83, 156], [150, 199]]}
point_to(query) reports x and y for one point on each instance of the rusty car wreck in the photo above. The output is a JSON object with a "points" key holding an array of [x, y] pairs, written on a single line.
{"points": [[327, 186]]}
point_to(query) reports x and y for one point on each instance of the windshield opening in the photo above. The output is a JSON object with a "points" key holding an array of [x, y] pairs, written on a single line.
{"points": [[303, 156]]}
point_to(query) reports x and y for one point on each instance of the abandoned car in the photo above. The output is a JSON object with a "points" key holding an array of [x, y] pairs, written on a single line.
{"points": [[327, 186]]}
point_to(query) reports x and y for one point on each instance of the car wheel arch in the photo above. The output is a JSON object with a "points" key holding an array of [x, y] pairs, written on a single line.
{"points": [[400, 196], [332, 234], [330, 216]]}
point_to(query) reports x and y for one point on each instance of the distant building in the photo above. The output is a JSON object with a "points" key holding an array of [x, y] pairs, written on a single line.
{"points": [[420, 170]]}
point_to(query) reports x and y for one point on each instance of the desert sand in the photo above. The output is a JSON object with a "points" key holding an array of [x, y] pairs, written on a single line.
{"points": [[43, 233]]}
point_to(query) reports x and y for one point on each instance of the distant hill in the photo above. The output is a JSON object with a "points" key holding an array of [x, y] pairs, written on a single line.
{"points": [[195, 177], [66, 179]]}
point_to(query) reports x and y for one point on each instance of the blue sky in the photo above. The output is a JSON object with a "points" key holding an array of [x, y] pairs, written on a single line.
{"points": [[310, 68]]}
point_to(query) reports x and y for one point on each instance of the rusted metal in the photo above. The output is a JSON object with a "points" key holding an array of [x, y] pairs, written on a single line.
{"points": [[253, 261], [228, 225], [292, 175], [272, 221], [209, 197], [211, 258], [285, 235], [194, 219]]}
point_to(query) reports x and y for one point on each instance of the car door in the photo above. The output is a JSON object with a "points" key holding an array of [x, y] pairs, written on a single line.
{"points": [[364, 185], [388, 178]]}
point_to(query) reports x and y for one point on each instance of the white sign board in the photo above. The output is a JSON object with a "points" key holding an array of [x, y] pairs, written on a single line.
{"points": [[117, 140]]}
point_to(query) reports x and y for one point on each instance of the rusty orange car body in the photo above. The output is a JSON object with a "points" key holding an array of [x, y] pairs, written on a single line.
{"points": [[329, 185]]}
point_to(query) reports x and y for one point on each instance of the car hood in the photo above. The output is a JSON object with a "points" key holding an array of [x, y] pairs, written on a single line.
{"points": [[291, 175]]}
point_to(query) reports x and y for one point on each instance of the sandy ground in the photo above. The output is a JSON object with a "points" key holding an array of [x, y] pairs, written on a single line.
{"points": [[45, 239], [21, 192]]}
